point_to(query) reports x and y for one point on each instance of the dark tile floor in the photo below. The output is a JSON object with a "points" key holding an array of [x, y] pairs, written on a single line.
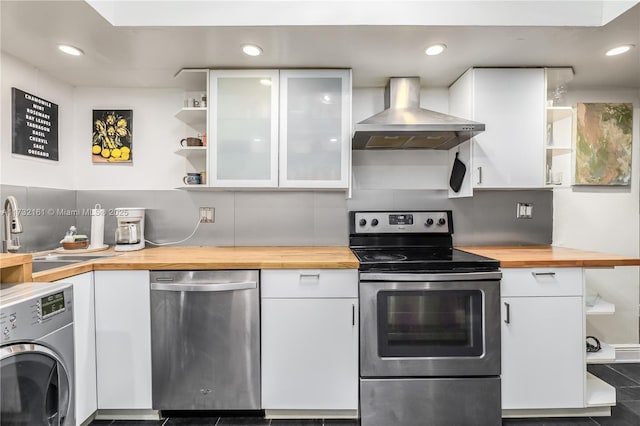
{"points": [[625, 378]]}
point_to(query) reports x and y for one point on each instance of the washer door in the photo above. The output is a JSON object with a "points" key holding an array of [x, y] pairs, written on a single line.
{"points": [[35, 386]]}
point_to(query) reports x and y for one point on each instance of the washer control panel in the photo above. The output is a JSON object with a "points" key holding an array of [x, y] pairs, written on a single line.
{"points": [[37, 314]]}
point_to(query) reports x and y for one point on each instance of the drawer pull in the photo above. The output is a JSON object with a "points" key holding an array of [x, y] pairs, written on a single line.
{"points": [[507, 320], [543, 274], [310, 278]]}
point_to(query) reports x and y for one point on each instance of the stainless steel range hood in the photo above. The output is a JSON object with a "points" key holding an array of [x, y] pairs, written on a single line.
{"points": [[404, 125]]}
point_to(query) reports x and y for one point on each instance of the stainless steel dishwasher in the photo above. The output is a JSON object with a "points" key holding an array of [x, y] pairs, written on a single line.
{"points": [[205, 340]]}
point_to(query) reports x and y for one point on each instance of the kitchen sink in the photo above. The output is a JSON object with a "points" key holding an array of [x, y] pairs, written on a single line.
{"points": [[71, 257], [40, 265], [51, 261]]}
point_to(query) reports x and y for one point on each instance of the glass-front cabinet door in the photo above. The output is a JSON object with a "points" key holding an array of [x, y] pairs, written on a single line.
{"points": [[243, 145], [315, 128]]}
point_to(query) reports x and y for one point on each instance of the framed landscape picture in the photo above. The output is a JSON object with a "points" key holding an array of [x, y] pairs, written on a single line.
{"points": [[112, 136], [603, 144]]}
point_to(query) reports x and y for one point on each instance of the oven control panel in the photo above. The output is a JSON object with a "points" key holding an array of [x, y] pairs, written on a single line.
{"points": [[424, 222]]}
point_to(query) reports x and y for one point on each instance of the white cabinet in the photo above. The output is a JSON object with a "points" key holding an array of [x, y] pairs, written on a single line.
{"points": [[123, 339], [543, 345], [273, 128], [310, 340], [194, 83], [511, 104], [315, 128], [84, 333], [244, 120], [542, 339]]}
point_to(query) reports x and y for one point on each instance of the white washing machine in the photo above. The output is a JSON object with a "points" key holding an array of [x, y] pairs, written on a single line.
{"points": [[36, 355]]}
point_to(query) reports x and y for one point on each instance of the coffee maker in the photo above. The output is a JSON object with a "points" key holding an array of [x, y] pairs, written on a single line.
{"points": [[129, 228]]}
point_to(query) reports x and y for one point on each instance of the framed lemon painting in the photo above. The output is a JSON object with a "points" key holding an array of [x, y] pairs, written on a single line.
{"points": [[112, 136]]}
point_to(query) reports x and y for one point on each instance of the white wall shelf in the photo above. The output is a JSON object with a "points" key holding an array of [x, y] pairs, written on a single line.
{"points": [[558, 113], [606, 354], [194, 117], [599, 393], [195, 187], [192, 152], [191, 79], [601, 307]]}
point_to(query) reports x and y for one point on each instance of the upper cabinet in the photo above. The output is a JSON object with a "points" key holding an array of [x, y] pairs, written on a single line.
{"points": [[511, 104], [527, 141], [243, 113], [315, 128], [273, 128]]}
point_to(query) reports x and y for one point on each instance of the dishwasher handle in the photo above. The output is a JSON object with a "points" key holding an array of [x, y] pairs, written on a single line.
{"points": [[230, 286]]}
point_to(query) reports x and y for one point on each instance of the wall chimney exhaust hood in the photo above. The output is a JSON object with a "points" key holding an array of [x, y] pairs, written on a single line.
{"points": [[404, 125]]}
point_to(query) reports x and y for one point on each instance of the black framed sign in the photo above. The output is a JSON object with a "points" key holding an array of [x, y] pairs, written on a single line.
{"points": [[35, 126]]}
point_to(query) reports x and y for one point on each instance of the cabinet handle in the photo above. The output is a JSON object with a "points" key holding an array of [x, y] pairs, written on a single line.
{"points": [[479, 174], [310, 278], [543, 274], [507, 320], [353, 314]]}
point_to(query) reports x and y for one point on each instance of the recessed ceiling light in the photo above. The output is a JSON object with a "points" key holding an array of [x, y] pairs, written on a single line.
{"points": [[70, 50], [435, 49], [251, 50], [619, 50]]}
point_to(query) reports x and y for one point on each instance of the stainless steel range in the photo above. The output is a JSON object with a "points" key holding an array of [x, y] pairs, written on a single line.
{"points": [[430, 323]]}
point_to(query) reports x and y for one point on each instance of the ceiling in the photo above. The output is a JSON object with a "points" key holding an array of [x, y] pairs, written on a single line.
{"points": [[118, 56]]}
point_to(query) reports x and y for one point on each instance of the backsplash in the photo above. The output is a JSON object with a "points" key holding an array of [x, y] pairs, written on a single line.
{"points": [[253, 218], [43, 214]]}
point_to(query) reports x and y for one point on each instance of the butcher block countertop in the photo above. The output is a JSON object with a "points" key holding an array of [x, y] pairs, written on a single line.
{"points": [[18, 266], [191, 258], [550, 256], [15, 267]]}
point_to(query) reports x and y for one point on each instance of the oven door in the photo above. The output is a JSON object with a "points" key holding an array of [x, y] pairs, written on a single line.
{"points": [[430, 325]]}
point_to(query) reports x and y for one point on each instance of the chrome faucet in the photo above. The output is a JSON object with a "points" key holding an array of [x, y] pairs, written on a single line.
{"points": [[12, 225]]}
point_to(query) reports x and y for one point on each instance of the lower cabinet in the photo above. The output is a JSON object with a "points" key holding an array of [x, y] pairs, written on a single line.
{"points": [[123, 339], [84, 333], [543, 349], [309, 339], [542, 364]]}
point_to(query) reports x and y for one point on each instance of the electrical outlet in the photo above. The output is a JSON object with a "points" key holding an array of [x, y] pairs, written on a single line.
{"points": [[524, 211], [207, 214]]}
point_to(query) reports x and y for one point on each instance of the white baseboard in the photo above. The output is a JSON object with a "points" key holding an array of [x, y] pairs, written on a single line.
{"points": [[627, 352]]}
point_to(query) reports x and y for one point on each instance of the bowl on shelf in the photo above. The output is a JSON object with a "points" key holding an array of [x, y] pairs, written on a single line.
{"points": [[75, 245]]}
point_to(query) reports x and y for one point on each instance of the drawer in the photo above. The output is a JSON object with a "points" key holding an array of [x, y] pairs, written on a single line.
{"points": [[308, 283], [541, 282]]}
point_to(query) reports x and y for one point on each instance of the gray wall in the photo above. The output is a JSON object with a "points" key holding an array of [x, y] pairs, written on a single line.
{"points": [[245, 218]]}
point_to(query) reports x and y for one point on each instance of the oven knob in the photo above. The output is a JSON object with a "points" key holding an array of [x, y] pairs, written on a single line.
{"points": [[374, 222], [441, 221], [363, 222], [429, 222]]}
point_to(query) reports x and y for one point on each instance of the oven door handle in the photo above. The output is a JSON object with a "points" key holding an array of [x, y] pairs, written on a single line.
{"points": [[454, 276]]}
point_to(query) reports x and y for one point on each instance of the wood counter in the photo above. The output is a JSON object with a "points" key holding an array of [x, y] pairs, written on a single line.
{"points": [[15, 267], [550, 256], [186, 258], [193, 258]]}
